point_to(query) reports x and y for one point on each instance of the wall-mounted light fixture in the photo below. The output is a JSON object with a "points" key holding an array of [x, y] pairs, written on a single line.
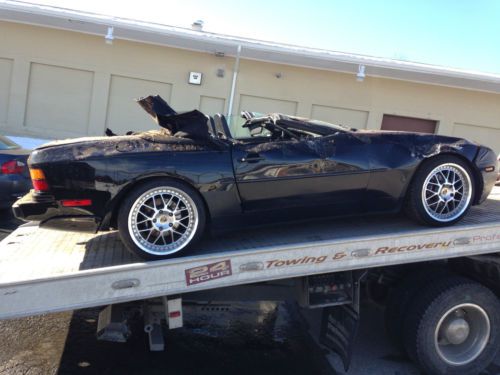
{"points": [[361, 73], [220, 72], [109, 36]]}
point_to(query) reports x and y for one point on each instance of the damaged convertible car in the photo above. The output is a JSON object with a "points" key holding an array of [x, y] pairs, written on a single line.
{"points": [[163, 188]]}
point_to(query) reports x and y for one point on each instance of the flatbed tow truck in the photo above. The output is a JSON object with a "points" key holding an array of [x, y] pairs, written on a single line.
{"points": [[438, 279]]}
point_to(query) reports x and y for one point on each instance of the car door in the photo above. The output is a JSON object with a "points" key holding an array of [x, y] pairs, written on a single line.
{"points": [[330, 171], [282, 173], [346, 170]]}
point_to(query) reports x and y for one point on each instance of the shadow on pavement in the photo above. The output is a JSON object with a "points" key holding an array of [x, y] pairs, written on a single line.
{"points": [[241, 350]]}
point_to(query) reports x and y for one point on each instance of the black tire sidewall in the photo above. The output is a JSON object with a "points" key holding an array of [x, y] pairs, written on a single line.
{"points": [[426, 353], [402, 296], [133, 195], [415, 204]]}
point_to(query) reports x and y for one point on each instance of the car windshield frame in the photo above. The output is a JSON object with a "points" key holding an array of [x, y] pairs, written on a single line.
{"points": [[288, 121], [8, 144]]}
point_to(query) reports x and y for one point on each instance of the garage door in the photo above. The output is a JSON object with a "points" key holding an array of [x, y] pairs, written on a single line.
{"points": [[343, 116], [59, 98], [409, 124], [5, 78], [267, 105], [210, 105], [482, 134], [124, 114]]}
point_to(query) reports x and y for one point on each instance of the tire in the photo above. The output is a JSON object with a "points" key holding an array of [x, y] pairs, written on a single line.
{"points": [[441, 192], [430, 339], [401, 297], [161, 218]]}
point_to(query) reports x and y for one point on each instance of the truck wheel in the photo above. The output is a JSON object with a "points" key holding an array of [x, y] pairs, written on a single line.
{"points": [[441, 191], [402, 295], [160, 218], [452, 327]]}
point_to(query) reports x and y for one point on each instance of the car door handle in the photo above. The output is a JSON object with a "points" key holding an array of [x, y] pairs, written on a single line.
{"points": [[251, 158]]}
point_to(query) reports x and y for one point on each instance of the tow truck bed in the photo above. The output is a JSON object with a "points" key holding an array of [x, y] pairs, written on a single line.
{"points": [[45, 271]]}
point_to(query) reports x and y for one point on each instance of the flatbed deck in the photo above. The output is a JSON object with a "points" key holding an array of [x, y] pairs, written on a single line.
{"points": [[45, 271]]}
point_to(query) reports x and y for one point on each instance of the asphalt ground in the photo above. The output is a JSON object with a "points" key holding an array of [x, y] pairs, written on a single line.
{"points": [[279, 342]]}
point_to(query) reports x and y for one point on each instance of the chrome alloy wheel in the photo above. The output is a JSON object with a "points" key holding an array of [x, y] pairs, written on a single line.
{"points": [[462, 334], [163, 220], [446, 192]]}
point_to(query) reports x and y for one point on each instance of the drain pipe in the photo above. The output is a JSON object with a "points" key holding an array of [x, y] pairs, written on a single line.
{"points": [[233, 85]]}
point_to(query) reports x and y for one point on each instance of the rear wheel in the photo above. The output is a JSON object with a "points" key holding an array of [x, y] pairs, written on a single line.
{"points": [[441, 192], [452, 327], [402, 295], [160, 218]]}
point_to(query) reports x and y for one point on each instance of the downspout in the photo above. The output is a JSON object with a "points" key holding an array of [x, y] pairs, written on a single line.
{"points": [[233, 85]]}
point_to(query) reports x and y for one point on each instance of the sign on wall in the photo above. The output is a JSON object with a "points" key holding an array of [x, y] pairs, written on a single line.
{"points": [[195, 78]]}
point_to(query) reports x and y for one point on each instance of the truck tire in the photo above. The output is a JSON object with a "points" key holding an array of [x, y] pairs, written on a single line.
{"points": [[160, 218], [441, 191], [401, 296], [452, 327]]}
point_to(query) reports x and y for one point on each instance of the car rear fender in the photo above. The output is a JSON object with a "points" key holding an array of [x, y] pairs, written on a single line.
{"points": [[115, 204]]}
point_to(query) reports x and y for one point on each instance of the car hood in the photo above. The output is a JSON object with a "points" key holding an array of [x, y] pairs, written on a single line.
{"points": [[423, 145], [414, 136]]}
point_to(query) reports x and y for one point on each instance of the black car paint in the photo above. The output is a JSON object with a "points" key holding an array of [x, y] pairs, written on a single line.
{"points": [[289, 173], [343, 171], [365, 171]]}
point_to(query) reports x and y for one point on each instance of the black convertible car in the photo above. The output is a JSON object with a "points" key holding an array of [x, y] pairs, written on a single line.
{"points": [[162, 188]]}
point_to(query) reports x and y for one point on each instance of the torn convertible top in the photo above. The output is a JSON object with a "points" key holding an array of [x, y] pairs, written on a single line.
{"points": [[192, 124]]}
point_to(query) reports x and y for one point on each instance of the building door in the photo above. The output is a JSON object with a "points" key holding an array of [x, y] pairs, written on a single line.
{"points": [[409, 124]]}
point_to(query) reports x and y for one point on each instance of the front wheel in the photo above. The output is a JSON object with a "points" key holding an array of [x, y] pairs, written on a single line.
{"points": [[441, 192], [160, 218]]}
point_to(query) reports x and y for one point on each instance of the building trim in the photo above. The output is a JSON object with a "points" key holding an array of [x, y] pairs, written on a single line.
{"points": [[200, 41]]}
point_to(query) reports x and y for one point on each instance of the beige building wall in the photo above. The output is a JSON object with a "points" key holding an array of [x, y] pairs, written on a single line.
{"points": [[56, 83]]}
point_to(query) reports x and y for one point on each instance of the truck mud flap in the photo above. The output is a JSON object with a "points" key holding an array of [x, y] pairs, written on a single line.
{"points": [[339, 325]]}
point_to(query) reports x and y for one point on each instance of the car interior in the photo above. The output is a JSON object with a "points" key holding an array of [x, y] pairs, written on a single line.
{"points": [[271, 127]]}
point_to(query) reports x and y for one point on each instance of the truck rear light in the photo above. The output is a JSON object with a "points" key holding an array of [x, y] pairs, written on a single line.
{"points": [[174, 314], [13, 167], [76, 202], [38, 179]]}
